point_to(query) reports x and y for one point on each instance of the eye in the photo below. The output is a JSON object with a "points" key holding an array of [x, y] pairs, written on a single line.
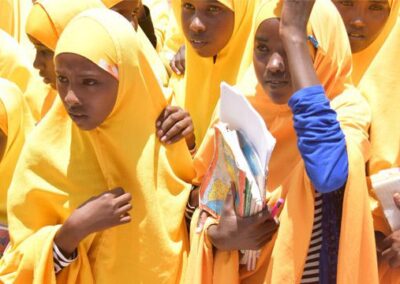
{"points": [[187, 6], [62, 79], [90, 82], [262, 48], [346, 3], [375, 7], [214, 9]]}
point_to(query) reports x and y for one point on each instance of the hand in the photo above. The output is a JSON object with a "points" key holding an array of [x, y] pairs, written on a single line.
{"points": [[389, 249], [178, 63], [173, 124], [238, 233], [294, 18], [101, 212]]}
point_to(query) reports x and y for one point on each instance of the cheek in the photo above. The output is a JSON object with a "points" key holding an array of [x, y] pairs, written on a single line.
{"points": [[102, 103]]}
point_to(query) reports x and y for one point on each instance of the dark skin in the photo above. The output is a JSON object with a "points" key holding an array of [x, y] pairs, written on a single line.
{"points": [[89, 94], [207, 26], [130, 10], [281, 51], [87, 91], [389, 247], [44, 62], [364, 20]]}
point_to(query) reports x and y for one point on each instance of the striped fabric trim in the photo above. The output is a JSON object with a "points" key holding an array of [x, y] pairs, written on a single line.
{"points": [[311, 267], [59, 259]]}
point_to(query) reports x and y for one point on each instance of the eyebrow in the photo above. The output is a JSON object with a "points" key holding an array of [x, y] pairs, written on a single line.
{"points": [[379, 1], [259, 38]]}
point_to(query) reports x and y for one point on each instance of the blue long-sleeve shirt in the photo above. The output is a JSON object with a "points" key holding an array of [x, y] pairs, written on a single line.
{"points": [[321, 141]]}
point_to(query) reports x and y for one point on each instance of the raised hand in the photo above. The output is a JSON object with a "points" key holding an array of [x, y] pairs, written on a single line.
{"points": [[295, 16]]}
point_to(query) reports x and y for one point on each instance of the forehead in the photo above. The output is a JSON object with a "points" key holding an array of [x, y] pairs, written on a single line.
{"points": [[268, 29], [74, 62], [127, 4]]}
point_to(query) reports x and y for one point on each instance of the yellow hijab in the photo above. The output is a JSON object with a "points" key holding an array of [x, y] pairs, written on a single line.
{"points": [[150, 52], [363, 59], [14, 65], [46, 21], [379, 85], [198, 91], [282, 259], [62, 166], [12, 103]]}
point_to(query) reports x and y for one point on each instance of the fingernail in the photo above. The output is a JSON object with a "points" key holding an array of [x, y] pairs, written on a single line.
{"points": [[163, 139], [158, 124]]}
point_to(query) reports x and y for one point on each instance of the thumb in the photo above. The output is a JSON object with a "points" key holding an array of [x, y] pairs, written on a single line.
{"points": [[118, 191], [229, 204], [396, 198], [202, 220]]}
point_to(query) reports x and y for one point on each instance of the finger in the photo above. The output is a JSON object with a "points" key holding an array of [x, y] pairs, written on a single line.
{"points": [[123, 209], [173, 66], [388, 254], [172, 125], [202, 220], [125, 219], [176, 130], [396, 198], [181, 66], [160, 119], [386, 243], [122, 200], [118, 191]]}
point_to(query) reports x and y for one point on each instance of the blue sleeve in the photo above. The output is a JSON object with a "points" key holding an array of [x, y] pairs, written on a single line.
{"points": [[320, 139]]}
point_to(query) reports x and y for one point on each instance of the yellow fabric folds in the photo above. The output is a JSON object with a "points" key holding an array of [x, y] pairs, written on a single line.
{"points": [[151, 54], [198, 91], [11, 100], [14, 65], [378, 82], [282, 259], [62, 166]]}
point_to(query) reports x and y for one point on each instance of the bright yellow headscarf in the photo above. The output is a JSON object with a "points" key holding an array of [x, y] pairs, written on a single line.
{"points": [[378, 82], [151, 53], [62, 166], [46, 21], [11, 101], [198, 91], [282, 259], [14, 65]]}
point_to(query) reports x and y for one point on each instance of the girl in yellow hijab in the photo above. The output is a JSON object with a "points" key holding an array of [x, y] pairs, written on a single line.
{"points": [[12, 137], [337, 246], [45, 23], [72, 192], [217, 50], [376, 75]]}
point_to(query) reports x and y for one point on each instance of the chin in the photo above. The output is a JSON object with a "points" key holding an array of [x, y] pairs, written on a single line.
{"points": [[279, 98], [357, 46], [204, 53]]}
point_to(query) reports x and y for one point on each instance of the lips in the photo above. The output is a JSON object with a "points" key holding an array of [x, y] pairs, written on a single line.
{"points": [[198, 43], [275, 83], [76, 116], [355, 35]]}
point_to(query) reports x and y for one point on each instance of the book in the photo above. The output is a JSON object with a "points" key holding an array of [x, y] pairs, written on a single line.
{"points": [[242, 149], [385, 184]]}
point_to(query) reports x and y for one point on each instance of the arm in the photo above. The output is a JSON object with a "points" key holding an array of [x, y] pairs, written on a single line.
{"points": [[146, 24], [320, 139]]}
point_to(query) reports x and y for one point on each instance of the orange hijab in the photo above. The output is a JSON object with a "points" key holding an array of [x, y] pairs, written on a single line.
{"points": [[282, 259]]}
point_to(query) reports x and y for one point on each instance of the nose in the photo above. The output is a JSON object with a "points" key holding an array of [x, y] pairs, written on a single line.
{"points": [[197, 25], [71, 99], [357, 23], [275, 64], [38, 63]]}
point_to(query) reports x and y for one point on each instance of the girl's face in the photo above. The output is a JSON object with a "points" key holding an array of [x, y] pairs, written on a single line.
{"points": [[44, 62], [207, 25], [271, 63], [88, 92], [129, 9], [364, 20]]}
